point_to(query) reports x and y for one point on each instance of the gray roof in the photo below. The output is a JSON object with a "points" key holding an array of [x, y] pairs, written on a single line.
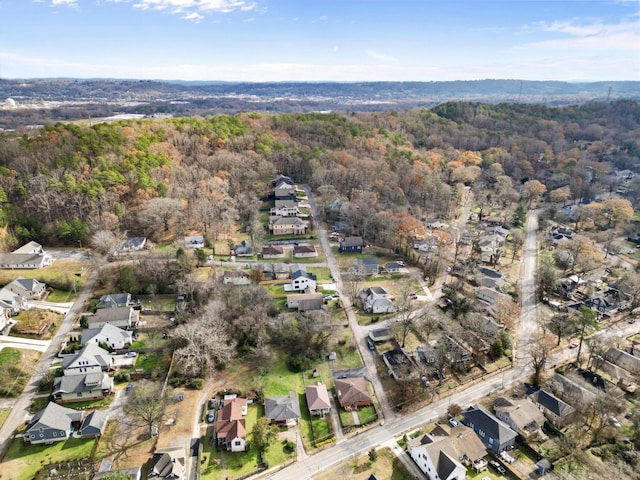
{"points": [[82, 383], [93, 423], [552, 403], [280, 409], [26, 284], [90, 355], [55, 417], [107, 331], [489, 424], [112, 314], [351, 242], [114, 300]]}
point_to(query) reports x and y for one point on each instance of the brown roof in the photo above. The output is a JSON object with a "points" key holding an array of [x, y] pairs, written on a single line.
{"points": [[317, 397], [464, 440], [230, 423], [272, 250], [351, 390], [304, 249]]}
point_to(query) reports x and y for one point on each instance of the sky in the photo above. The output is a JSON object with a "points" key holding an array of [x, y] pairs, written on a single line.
{"points": [[321, 40]]}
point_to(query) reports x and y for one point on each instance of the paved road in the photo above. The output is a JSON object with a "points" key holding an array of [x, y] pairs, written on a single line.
{"points": [[19, 412], [358, 332], [528, 326], [24, 343]]}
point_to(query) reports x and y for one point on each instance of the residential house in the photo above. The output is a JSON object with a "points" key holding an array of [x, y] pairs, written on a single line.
{"points": [[629, 362], [498, 230], [29, 256], [367, 266], [109, 335], [304, 251], [285, 208], [496, 434], [492, 296], [194, 241], [51, 424], [236, 277], [84, 376], [29, 288], [169, 464], [352, 393], [459, 354], [376, 300], [318, 399], [114, 300], [287, 226], [301, 281], [12, 302], [242, 250], [122, 317], [305, 302], [488, 277], [555, 410], [284, 191], [272, 251], [132, 473], [470, 449], [609, 302], [520, 414], [133, 244], [279, 179], [231, 429], [93, 424], [437, 458], [89, 359], [282, 410], [351, 245], [392, 267]]}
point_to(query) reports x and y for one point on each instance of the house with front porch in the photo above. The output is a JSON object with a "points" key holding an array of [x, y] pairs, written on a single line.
{"points": [[285, 208], [495, 434], [284, 410], [553, 408], [121, 317], [287, 226], [318, 399], [352, 393], [231, 429], [520, 414], [109, 335], [53, 423]]}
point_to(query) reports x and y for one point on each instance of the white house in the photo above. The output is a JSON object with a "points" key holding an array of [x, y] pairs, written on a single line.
{"points": [[301, 280], [28, 256], [376, 300], [108, 334], [437, 458], [194, 241]]}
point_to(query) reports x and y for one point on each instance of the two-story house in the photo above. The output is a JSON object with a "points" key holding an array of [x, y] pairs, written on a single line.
{"points": [[496, 434]]}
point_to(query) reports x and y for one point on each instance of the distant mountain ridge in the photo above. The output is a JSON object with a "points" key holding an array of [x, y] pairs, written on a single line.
{"points": [[45, 101]]}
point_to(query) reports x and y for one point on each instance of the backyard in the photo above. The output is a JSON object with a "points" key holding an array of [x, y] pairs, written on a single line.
{"points": [[22, 462]]}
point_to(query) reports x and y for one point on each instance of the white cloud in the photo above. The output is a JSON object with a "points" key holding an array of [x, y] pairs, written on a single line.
{"points": [[201, 7], [194, 17], [335, 49], [381, 56], [68, 3], [323, 18]]}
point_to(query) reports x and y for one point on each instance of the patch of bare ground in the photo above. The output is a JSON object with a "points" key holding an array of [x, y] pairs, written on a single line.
{"points": [[386, 466]]}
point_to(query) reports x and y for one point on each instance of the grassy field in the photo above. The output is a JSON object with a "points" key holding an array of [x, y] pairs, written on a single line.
{"points": [[22, 462], [16, 366], [9, 355], [386, 467], [61, 296], [4, 413], [59, 271]]}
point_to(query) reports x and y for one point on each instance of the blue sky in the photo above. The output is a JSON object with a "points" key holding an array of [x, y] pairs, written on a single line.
{"points": [[321, 40]]}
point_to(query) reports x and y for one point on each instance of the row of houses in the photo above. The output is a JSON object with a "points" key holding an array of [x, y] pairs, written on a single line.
{"points": [[230, 427], [285, 216]]}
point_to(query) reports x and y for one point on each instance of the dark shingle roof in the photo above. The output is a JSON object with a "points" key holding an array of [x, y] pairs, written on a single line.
{"points": [[489, 424]]}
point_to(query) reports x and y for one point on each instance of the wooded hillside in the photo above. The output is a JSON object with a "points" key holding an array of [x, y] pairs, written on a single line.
{"points": [[162, 178]]}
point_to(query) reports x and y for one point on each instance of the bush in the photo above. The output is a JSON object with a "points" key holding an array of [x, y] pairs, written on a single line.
{"points": [[289, 446], [194, 383], [122, 377], [298, 363]]}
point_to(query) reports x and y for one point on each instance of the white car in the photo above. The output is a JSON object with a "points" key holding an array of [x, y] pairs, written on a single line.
{"points": [[131, 354]]}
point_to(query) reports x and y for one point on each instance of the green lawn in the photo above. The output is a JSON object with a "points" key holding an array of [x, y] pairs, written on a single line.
{"points": [[9, 355], [280, 380], [366, 415], [61, 296], [24, 461], [150, 362], [239, 464], [4, 413]]}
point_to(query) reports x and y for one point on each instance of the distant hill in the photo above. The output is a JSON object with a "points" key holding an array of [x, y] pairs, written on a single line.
{"points": [[70, 99]]}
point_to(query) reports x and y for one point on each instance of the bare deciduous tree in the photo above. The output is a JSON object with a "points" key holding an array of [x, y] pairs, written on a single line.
{"points": [[204, 341], [146, 405]]}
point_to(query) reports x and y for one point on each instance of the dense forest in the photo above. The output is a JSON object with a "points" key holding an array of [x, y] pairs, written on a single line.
{"points": [[161, 178]]}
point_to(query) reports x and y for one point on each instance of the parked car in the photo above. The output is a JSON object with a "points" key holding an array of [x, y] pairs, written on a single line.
{"points": [[499, 468], [614, 421], [453, 422], [573, 345], [371, 346], [211, 416], [131, 354], [632, 320], [412, 296], [213, 403]]}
